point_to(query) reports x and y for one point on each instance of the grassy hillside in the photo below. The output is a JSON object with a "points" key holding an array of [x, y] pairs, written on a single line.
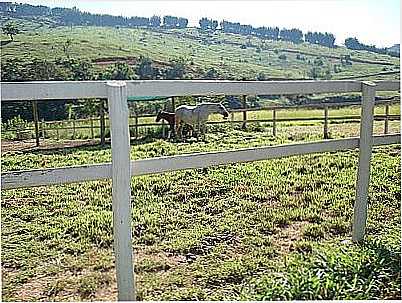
{"points": [[233, 56]]}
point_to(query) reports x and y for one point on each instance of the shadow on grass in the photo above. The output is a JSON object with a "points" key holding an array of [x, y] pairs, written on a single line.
{"points": [[3, 43]]}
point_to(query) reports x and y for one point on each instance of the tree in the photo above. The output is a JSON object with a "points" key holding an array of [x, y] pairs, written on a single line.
{"points": [[177, 70], [261, 76], [122, 71], [206, 24], [211, 73], [10, 29], [155, 21], [145, 70]]}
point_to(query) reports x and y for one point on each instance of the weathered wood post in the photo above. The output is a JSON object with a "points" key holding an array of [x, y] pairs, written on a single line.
{"points": [[386, 119], [121, 190], [244, 112], [365, 151], [91, 120], [43, 125], [36, 120], [102, 122], [73, 128], [136, 124], [326, 122], [274, 122], [57, 132]]}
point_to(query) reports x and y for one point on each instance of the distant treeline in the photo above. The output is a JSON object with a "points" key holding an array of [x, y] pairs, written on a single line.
{"points": [[73, 16], [353, 43]]}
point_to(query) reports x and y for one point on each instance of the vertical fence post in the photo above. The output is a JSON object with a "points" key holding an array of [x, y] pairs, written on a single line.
{"points": [[43, 128], [386, 119], [363, 174], [92, 126], [36, 120], [57, 132], [121, 191], [73, 128], [244, 112], [136, 124], [102, 122], [326, 122], [274, 122]]}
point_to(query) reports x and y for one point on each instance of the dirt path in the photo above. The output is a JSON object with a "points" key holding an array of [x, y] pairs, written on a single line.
{"points": [[29, 145]]}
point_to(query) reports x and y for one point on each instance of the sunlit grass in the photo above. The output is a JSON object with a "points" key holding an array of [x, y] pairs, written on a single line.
{"points": [[224, 233]]}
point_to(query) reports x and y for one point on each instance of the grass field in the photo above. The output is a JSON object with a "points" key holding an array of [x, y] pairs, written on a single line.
{"points": [[199, 50], [275, 229]]}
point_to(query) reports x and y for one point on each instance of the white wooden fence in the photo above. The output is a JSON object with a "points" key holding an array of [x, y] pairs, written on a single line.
{"points": [[121, 169]]}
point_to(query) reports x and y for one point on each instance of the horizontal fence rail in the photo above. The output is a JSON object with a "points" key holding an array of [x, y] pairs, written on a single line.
{"points": [[57, 90], [64, 175]]}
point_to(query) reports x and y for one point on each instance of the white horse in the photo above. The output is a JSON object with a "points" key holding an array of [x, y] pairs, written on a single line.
{"points": [[197, 115]]}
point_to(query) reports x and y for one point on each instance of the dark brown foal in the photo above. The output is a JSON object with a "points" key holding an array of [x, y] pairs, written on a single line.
{"points": [[169, 118]]}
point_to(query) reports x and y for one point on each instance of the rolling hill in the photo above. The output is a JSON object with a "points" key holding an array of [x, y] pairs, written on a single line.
{"points": [[229, 56]]}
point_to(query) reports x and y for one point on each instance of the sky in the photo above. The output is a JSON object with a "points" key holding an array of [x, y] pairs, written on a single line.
{"points": [[371, 21]]}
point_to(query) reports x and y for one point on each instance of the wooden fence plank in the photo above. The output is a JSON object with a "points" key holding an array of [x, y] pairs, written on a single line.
{"points": [[326, 122], [62, 90], [121, 190], [386, 119], [102, 123], [65, 175], [244, 102], [36, 120], [363, 174]]}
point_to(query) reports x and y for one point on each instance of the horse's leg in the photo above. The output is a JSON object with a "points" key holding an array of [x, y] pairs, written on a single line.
{"points": [[177, 127], [171, 130], [204, 128]]}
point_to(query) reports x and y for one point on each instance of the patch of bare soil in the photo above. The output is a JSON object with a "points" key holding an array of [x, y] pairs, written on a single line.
{"points": [[68, 286], [167, 258], [30, 145], [286, 236], [128, 60]]}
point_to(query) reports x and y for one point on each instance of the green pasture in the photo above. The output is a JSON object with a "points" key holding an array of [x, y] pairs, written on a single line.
{"points": [[277, 229], [199, 50]]}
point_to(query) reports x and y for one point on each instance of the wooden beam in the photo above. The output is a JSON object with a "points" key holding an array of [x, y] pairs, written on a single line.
{"points": [[386, 119], [62, 90], [244, 102], [121, 190], [65, 175], [36, 120], [326, 122], [365, 151], [102, 122]]}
